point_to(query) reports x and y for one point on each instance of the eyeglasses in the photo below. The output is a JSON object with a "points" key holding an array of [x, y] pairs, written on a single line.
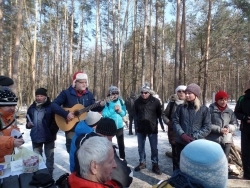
{"points": [[144, 93], [9, 99], [115, 93], [223, 99], [181, 91]]}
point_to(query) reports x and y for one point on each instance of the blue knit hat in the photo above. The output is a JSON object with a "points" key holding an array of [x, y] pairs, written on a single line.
{"points": [[206, 162]]}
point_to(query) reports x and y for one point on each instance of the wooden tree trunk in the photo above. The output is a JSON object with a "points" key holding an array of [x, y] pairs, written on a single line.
{"points": [[96, 47], [207, 52], [17, 44], [113, 43], [156, 45], [134, 47], [70, 65], [177, 45], [144, 41], [150, 46]]}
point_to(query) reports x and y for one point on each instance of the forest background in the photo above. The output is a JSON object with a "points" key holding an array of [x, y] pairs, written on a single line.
{"points": [[125, 43]]}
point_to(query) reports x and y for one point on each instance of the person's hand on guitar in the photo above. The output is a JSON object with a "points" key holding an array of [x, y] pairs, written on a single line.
{"points": [[70, 116], [102, 103], [118, 108]]}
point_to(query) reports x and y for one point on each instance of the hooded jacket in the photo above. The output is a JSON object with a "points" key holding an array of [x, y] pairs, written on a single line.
{"points": [[45, 129], [147, 112], [81, 128], [110, 112], [219, 120], [191, 119], [75, 181], [168, 114]]}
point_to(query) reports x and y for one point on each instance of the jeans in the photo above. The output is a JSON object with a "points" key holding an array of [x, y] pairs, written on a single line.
{"points": [[120, 142], [69, 135], [49, 153], [226, 148], [131, 118], [153, 140]]}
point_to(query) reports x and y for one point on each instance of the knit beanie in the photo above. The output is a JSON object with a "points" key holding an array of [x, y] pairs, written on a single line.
{"points": [[194, 88], [221, 95], [92, 118], [7, 98], [113, 89], [180, 87], [79, 76], [206, 162], [145, 88], [41, 91], [6, 81], [106, 127]]}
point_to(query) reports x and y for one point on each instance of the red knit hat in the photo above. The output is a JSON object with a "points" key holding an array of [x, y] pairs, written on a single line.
{"points": [[79, 76], [221, 95]]}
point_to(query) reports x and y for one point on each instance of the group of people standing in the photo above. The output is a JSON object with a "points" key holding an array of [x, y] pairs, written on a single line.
{"points": [[187, 120]]}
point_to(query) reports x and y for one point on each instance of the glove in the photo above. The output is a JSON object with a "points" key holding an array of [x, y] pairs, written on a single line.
{"points": [[186, 138]]}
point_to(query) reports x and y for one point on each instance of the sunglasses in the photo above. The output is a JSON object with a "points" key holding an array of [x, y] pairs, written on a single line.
{"points": [[144, 93], [9, 99], [181, 91], [115, 93]]}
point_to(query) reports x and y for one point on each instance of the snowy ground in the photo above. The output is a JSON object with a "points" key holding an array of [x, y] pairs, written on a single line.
{"points": [[142, 179]]}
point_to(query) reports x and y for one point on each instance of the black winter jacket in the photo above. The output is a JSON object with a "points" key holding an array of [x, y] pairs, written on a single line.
{"points": [[187, 120], [47, 130], [147, 112], [242, 111]]}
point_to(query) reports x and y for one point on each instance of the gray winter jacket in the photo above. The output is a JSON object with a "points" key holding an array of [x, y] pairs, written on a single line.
{"points": [[219, 120], [191, 119]]}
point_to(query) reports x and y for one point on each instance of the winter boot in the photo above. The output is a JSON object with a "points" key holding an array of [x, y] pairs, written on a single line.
{"points": [[156, 168], [140, 166]]}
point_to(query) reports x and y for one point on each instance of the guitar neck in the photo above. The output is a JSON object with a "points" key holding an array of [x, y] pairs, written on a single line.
{"points": [[89, 108]]}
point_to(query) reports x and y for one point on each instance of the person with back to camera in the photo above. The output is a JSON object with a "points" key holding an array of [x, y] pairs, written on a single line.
{"points": [[96, 161], [131, 112], [223, 121], [203, 164], [176, 99], [191, 120], [8, 123], [242, 112]]}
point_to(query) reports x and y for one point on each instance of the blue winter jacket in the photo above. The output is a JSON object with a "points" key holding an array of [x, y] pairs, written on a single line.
{"points": [[81, 128], [68, 98], [110, 112], [46, 130]]}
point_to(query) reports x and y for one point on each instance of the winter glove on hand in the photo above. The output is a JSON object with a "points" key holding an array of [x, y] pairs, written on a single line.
{"points": [[186, 138]]}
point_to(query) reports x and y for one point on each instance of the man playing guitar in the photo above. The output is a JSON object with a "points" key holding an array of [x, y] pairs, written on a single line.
{"points": [[77, 93]]}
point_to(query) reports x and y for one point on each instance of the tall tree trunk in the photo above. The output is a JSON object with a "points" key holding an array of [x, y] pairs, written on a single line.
{"points": [[156, 44], [81, 40], [70, 65], [184, 43], [96, 47], [33, 60], [1, 37], [177, 45], [207, 51], [17, 43], [125, 23], [162, 57], [134, 47], [113, 43], [144, 41], [150, 46]]}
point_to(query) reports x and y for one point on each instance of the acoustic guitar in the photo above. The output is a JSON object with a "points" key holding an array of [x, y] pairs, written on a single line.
{"points": [[80, 113]]}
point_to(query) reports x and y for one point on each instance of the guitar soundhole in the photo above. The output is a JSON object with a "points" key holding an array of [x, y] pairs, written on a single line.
{"points": [[76, 113]]}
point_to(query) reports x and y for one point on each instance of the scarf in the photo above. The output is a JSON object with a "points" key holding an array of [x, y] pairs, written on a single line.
{"points": [[80, 93], [220, 107]]}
